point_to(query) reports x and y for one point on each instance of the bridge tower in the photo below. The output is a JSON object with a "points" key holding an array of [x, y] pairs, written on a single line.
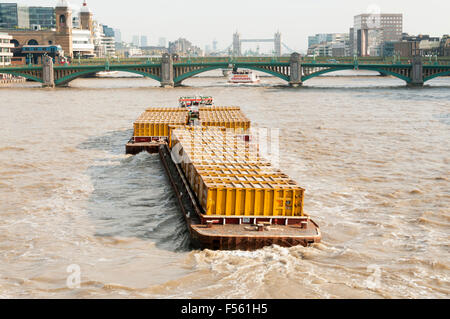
{"points": [[64, 27], [277, 44], [86, 18], [237, 44]]}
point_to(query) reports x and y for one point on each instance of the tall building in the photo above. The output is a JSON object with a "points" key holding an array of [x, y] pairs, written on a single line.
{"points": [[351, 42], [5, 49], [144, 41], [136, 41], [372, 30], [118, 35], [162, 42], [86, 18], [8, 15], [63, 34]]}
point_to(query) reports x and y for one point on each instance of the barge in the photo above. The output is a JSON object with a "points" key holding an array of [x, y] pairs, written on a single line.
{"points": [[231, 198]]}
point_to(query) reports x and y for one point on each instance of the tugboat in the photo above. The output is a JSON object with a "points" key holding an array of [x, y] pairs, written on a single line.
{"points": [[244, 76], [189, 101]]}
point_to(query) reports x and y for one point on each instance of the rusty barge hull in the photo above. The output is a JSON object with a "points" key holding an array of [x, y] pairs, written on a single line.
{"points": [[220, 235]]}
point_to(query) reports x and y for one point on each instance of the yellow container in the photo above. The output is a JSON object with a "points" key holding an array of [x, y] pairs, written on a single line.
{"points": [[247, 199], [155, 122]]}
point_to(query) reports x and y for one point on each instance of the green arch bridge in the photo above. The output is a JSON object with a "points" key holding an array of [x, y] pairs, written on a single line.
{"points": [[172, 71]]}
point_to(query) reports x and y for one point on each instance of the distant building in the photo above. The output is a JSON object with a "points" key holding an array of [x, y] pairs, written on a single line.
{"points": [[38, 18], [407, 48], [184, 47], [351, 42], [118, 35], [42, 16], [109, 32], [82, 43], [414, 45], [144, 41], [78, 34], [162, 42], [154, 50], [372, 30], [5, 49], [329, 44], [444, 46], [109, 44], [136, 41], [8, 16]]}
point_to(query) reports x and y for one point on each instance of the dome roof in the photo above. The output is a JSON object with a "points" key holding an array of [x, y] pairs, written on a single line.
{"points": [[62, 4]]}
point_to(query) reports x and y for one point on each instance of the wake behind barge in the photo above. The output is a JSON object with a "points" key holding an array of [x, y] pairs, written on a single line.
{"points": [[229, 204]]}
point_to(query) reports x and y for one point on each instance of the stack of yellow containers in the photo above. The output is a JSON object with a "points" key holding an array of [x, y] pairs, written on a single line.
{"points": [[228, 116], [155, 122], [230, 178]]}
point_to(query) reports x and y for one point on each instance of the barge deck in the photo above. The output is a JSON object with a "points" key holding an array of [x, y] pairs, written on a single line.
{"points": [[217, 234]]}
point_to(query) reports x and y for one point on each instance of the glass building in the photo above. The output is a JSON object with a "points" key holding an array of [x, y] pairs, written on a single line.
{"points": [[42, 16], [8, 15]]}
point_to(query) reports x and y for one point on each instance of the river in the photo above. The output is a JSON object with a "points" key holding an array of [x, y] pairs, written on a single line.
{"points": [[373, 155]]}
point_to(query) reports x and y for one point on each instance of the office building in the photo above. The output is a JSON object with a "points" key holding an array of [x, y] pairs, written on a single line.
{"points": [[162, 42], [109, 32], [144, 41], [44, 17], [136, 41], [8, 15], [372, 30], [118, 35]]}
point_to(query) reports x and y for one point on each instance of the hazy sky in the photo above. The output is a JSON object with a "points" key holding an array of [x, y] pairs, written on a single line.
{"points": [[202, 21]]}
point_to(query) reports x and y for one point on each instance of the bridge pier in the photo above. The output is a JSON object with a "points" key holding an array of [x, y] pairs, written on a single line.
{"points": [[416, 72], [296, 70], [167, 71], [48, 75]]}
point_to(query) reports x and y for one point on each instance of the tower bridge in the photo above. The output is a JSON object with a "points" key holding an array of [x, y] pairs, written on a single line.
{"points": [[171, 70], [237, 43]]}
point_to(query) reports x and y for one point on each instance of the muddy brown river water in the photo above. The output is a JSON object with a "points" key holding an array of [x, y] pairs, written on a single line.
{"points": [[373, 155]]}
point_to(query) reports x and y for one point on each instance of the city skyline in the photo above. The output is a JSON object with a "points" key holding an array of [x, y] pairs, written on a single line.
{"points": [[295, 20]]}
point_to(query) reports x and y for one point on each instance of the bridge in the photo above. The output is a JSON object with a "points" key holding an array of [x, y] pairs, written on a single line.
{"points": [[171, 70]]}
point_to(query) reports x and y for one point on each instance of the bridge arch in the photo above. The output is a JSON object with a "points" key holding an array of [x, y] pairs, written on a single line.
{"points": [[351, 67], [75, 75], [32, 42], [24, 75], [192, 73], [444, 73], [15, 42]]}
